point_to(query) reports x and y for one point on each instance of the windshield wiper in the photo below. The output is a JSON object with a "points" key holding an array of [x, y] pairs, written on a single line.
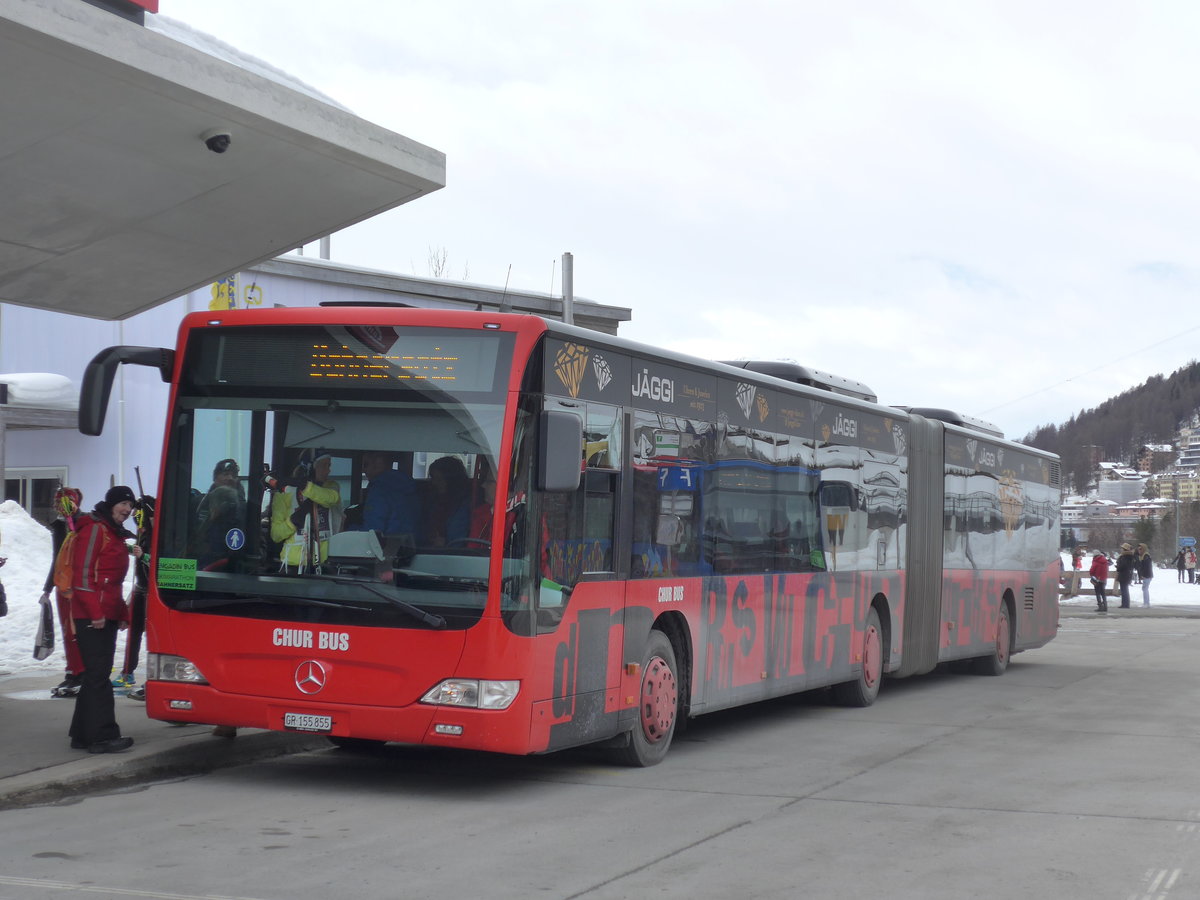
{"points": [[217, 602], [415, 611]]}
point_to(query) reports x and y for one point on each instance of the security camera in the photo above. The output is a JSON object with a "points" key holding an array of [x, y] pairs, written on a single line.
{"points": [[217, 140]]}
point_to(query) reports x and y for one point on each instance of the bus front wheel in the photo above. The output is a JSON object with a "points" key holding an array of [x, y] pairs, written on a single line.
{"points": [[863, 690], [658, 706]]}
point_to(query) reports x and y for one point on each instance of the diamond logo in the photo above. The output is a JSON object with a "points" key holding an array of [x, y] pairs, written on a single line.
{"points": [[603, 372], [569, 365], [745, 398]]}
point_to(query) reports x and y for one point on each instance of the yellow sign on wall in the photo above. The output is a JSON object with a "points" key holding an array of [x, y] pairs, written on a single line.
{"points": [[226, 295]]}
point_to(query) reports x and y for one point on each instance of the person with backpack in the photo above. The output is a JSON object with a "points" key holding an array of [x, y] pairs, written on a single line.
{"points": [[66, 504], [92, 565]]}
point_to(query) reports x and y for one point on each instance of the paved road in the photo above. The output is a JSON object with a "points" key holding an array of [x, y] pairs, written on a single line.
{"points": [[1072, 776]]}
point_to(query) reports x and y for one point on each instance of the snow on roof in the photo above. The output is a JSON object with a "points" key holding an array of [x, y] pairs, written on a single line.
{"points": [[41, 389], [206, 43]]}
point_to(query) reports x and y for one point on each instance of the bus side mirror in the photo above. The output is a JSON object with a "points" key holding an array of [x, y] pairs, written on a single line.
{"points": [[100, 372], [561, 448]]}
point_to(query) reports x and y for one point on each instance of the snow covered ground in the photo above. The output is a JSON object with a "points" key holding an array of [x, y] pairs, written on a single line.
{"points": [[1165, 589], [26, 544]]}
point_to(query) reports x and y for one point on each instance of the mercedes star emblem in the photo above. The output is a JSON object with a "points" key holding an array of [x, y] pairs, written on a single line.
{"points": [[310, 676]]}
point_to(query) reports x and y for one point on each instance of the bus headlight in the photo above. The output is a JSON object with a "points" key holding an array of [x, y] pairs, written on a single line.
{"points": [[473, 693], [164, 667]]}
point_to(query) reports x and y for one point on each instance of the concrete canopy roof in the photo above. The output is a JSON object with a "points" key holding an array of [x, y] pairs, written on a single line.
{"points": [[112, 203]]}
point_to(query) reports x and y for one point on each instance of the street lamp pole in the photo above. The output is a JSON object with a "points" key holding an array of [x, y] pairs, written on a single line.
{"points": [[1175, 485]]}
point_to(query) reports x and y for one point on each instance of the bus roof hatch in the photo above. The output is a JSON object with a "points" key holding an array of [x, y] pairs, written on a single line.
{"points": [[790, 371]]}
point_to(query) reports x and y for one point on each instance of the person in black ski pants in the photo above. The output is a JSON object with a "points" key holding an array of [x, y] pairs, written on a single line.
{"points": [[1125, 568], [100, 559]]}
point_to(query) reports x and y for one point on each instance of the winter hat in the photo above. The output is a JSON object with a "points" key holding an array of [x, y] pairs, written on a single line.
{"points": [[118, 494], [1126, 547], [67, 500]]}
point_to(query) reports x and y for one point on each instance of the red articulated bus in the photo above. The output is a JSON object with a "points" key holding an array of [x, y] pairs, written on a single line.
{"points": [[497, 532]]}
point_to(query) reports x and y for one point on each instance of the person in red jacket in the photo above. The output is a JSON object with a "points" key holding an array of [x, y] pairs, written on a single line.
{"points": [[100, 559], [1099, 573]]}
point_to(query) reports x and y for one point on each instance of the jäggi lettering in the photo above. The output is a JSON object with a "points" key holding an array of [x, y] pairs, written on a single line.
{"points": [[302, 637], [845, 427], [645, 385]]}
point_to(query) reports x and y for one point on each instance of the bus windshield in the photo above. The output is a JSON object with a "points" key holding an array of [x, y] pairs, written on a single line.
{"points": [[337, 475]]}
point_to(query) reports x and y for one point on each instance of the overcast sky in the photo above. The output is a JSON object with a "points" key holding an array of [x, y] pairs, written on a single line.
{"points": [[985, 206]]}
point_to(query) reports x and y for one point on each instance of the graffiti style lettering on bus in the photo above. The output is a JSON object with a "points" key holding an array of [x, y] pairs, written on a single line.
{"points": [[722, 648], [580, 661], [805, 622], [779, 617], [653, 387]]}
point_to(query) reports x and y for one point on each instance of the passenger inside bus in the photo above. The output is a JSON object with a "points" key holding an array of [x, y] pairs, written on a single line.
{"points": [[217, 514], [391, 504], [448, 508], [304, 513]]}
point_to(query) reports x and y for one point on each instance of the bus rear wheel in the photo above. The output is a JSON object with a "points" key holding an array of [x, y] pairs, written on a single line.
{"points": [[996, 662], [863, 690], [658, 706]]}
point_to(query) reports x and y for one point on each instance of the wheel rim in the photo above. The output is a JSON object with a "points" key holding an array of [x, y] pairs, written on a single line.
{"points": [[658, 700], [872, 656], [1002, 638]]}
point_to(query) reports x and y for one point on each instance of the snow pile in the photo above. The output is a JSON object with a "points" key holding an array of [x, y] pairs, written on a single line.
{"points": [[43, 389], [26, 545]]}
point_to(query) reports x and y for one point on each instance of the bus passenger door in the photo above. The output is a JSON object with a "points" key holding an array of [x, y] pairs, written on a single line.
{"points": [[578, 598]]}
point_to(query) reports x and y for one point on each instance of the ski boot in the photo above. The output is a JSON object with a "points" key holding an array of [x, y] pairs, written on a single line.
{"points": [[69, 687]]}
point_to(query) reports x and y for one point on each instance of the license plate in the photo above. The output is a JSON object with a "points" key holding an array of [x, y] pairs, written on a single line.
{"points": [[305, 722]]}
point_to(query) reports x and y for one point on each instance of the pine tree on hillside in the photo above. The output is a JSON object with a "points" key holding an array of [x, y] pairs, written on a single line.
{"points": [[1151, 413]]}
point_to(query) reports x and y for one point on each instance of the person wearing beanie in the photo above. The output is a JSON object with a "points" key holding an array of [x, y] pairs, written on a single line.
{"points": [[67, 501], [99, 562], [222, 508]]}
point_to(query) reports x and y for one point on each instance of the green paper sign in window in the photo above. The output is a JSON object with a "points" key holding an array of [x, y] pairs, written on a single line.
{"points": [[177, 574]]}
